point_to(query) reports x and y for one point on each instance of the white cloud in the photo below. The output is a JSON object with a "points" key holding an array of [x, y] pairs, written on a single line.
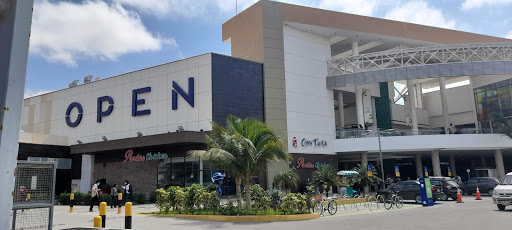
{"points": [[509, 35], [420, 12], [66, 32], [471, 4], [361, 7], [33, 93]]}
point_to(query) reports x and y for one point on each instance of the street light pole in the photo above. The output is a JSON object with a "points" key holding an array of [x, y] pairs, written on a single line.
{"points": [[380, 156]]}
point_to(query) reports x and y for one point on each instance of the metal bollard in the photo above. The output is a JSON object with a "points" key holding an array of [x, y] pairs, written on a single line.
{"points": [[97, 221], [119, 199], [71, 201], [103, 213], [128, 215]]}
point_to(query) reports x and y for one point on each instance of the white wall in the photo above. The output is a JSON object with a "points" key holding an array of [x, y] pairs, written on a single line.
{"points": [[460, 106], [309, 104], [425, 143], [49, 110], [398, 114]]}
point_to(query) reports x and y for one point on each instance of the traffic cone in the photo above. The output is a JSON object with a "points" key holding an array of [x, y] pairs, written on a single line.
{"points": [[459, 198], [478, 194]]}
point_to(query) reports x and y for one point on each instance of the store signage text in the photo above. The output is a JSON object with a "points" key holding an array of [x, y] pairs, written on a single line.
{"points": [[129, 157], [315, 143], [302, 164], [176, 89]]}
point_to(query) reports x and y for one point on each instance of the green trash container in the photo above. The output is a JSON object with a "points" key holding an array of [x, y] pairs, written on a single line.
{"points": [[350, 191]]}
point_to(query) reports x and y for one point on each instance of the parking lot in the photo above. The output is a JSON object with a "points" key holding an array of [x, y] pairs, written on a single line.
{"points": [[471, 214]]}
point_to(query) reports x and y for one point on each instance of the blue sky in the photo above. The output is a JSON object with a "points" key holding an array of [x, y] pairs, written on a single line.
{"points": [[104, 38]]}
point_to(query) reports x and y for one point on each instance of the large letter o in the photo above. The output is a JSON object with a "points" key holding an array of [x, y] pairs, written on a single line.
{"points": [[78, 119]]}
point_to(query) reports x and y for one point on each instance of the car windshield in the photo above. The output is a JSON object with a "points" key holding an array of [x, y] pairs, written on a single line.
{"points": [[452, 183], [507, 180]]}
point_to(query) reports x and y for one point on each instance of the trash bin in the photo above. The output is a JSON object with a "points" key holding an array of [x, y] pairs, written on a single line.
{"points": [[350, 191]]}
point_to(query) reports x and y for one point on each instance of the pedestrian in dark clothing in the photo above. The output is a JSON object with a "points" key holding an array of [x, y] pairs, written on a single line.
{"points": [[128, 191], [113, 194]]}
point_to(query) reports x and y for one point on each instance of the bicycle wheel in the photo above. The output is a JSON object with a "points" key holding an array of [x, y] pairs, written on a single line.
{"points": [[380, 199], [388, 204], [319, 208], [399, 202], [332, 207], [355, 202]]}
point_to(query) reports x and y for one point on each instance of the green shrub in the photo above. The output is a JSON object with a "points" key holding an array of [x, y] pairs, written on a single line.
{"points": [[276, 198], [294, 203], [310, 194], [162, 200], [260, 198], [181, 199], [152, 197]]}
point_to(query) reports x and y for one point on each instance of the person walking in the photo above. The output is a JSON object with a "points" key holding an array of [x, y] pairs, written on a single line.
{"points": [[113, 194], [128, 191], [95, 195]]}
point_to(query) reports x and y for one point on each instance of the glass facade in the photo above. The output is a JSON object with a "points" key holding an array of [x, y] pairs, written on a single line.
{"points": [[493, 98], [185, 171]]}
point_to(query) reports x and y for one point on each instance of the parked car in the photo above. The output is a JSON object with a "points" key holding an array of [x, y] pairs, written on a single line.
{"points": [[448, 186], [485, 185], [502, 194], [408, 190]]}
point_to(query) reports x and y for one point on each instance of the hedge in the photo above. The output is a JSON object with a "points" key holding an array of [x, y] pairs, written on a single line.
{"points": [[85, 198]]}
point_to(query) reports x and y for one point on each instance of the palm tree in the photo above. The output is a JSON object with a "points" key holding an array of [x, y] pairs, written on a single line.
{"points": [[503, 124], [326, 178], [362, 177], [287, 180], [244, 147]]}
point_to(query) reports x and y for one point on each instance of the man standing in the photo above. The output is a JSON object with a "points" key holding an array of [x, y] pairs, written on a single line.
{"points": [[113, 194], [95, 195], [128, 190]]}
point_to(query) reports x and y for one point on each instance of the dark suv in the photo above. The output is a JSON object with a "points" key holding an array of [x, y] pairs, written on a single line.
{"points": [[408, 190], [448, 186], [485, 185]]}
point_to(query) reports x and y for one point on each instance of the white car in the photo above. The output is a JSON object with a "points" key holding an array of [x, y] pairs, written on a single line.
{"points": [[502, 194]]}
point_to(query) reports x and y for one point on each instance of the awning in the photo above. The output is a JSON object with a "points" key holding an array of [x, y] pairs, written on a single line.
{"points": [[347, 173]]}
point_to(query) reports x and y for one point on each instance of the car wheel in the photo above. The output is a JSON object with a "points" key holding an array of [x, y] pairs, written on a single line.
{"points": [[501, 207], [454, 198], [444, 197], [417, 199], [490, 192]]}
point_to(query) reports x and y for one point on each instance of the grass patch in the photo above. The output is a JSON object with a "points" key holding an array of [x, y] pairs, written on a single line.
{"points": [[234, 213]]}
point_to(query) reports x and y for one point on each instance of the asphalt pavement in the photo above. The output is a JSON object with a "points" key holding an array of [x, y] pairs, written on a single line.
{"points": [[471, 214]]}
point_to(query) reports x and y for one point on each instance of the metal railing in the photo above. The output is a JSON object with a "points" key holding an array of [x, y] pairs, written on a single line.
{"points": [[33, 196], [357, 133], [421, 56]]}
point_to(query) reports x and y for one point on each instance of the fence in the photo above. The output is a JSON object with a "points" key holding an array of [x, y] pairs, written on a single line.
{"points": [[34, 190]]}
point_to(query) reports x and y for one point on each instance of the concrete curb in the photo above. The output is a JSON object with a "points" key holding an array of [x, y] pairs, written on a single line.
{"points": [[243, 218]]}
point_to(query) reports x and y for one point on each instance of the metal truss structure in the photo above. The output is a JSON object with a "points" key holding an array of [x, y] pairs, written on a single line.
{"points": [[421, 56]]}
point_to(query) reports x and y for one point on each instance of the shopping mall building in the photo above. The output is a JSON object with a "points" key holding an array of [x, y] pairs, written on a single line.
{"points": [[313, 75]]}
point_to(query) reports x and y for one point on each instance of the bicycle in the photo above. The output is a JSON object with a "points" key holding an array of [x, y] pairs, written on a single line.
{"points": [[331, 207], [394, 200]]}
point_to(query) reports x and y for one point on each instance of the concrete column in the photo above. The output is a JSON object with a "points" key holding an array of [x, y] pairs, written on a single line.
{"points": [[412, 103], [355, 48], [201, 172], [419, 95], [471, 95], [436, 163], [419, 165], [452, 165], [444, 103], [341, 114], [359, 106], [87, 173], [374, 113], [484, 161], [500, 168]]}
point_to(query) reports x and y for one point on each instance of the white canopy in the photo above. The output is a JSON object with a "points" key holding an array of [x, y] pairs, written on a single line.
{"points": [[347, 173]]}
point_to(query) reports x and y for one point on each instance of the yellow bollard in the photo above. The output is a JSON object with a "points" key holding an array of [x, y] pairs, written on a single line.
{"points": [[119, 199], [71, 201], [128, 215], [103, 213], [97, 221], [28, 198]]}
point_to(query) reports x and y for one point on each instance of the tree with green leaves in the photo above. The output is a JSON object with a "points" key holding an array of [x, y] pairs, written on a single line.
{"points": [[287, 180], [362, 177], [243, 147], [326, 178]]}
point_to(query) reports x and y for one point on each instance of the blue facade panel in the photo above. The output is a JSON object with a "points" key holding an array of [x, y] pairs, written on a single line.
{"points": [[237, 88]]}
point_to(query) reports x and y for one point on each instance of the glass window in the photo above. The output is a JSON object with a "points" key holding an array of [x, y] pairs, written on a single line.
{"points": [[489, 94], [504, 91]]}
